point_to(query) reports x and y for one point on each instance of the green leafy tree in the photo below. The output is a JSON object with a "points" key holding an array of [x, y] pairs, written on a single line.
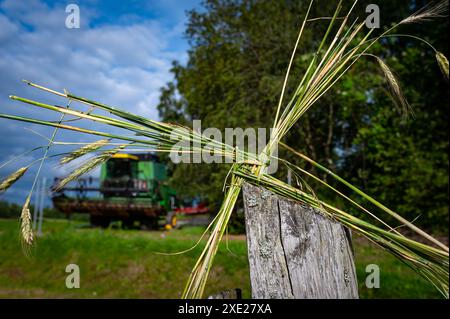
{"points": [[237, 61]]}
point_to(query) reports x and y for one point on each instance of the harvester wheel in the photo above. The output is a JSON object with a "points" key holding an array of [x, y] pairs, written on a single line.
{"points": [[127, 224], [99, 221], [171, 220], [150, 223]]}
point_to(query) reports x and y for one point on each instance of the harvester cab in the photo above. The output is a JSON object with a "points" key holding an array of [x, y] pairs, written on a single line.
{"points": [[132, 188], [135, 176]]}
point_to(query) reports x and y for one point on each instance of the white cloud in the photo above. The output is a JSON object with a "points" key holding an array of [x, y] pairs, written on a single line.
{"points": [[121, 65]]}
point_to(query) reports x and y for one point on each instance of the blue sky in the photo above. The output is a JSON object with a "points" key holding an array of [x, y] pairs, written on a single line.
{"points": [[121, 55]]}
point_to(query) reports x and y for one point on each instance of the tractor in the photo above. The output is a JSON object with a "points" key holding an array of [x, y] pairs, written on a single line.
{"points": [[132, 188]]}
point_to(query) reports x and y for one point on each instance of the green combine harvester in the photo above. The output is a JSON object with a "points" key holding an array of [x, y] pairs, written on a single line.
{"points": [[132, 189]]}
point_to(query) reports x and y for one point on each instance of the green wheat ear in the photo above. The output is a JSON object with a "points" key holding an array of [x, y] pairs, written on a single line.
{"points": [[395, 89], [88, 166], [83, 151], [443, 63], [25, 225], [11, 179]]}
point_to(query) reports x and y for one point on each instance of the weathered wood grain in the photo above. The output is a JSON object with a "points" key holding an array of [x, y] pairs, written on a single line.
{"points": [[228, 294], [294, 251]]}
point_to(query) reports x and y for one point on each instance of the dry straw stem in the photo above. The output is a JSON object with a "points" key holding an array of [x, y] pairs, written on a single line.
{"points": [[162, 135], [11, 179], [25, 226], [199, 275], [84, 150]]}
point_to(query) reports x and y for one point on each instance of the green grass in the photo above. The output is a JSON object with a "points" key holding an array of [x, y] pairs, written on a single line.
{"points": [[123, 264]]}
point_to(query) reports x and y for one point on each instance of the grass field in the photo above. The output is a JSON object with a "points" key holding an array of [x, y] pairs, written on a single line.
{"points": [[117, 263]]}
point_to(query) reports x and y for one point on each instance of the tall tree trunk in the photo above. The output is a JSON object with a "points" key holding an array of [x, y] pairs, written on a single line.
{"points": [[294, 251]]}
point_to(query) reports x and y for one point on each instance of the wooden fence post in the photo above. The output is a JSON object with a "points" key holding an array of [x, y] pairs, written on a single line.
{"points": [[294, 251]]}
